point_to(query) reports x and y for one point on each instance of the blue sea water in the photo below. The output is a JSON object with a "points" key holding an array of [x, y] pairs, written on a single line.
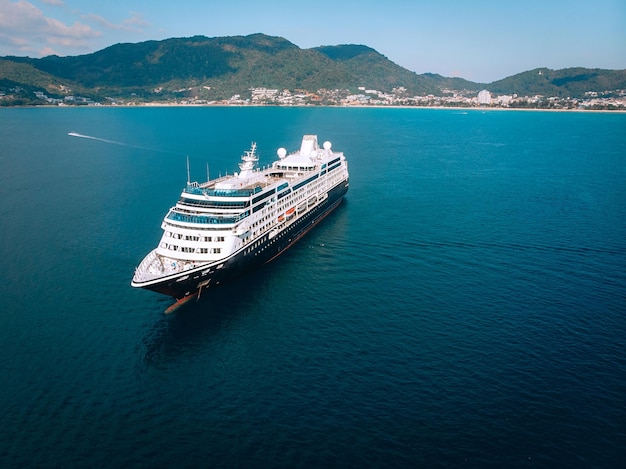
{"points": [[464, 307]]}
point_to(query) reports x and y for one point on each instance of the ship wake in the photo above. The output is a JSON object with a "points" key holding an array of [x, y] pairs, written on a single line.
{"points": [[76, 134]]}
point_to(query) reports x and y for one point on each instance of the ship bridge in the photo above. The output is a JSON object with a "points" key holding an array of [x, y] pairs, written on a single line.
{"points": [[307, 159]]}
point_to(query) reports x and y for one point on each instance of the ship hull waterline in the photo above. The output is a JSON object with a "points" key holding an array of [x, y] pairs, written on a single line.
{"points": [[192, 282]]}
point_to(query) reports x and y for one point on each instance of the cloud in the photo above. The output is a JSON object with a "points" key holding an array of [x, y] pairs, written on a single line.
{"points": [[47, 51], [136, 20], [56, 3], [25, 29], [135, 23]]}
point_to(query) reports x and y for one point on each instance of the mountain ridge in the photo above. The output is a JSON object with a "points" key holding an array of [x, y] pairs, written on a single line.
{"points": [[216, 68]]}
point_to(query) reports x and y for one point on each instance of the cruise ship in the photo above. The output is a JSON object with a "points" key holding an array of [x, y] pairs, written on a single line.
{"points": [[220, 228]]}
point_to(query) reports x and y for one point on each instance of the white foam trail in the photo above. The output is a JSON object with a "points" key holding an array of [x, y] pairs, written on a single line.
{"points": [[113, 142], [75, 134]]}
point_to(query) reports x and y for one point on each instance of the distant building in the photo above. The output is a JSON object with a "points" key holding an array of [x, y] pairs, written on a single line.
{"points": [[484, 97], [260, 94], [504, 100]]}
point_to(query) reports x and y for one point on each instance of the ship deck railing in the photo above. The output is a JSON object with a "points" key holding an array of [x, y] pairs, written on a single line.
{"points": [[208, 188], [206, 219], [196, 189], [154, 266], [148, 267]]}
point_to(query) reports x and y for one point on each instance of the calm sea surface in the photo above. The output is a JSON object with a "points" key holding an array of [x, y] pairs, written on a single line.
{"points": [[464, 307]]}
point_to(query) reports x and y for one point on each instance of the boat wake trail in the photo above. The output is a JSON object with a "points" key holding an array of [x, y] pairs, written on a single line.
{"points": [[75, 134], [113, 142]]}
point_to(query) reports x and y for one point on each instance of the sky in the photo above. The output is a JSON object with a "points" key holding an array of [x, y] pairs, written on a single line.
{"points": [[479, 40]]}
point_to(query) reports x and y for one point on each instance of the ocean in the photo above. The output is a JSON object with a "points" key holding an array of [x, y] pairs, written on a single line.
{"points": [[464, 307]]}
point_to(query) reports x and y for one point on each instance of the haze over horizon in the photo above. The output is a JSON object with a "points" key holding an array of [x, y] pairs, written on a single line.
{"points": [[482, 41]]}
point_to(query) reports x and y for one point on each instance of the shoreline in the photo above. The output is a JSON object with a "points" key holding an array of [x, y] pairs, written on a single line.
{"points": [[446, 108]]}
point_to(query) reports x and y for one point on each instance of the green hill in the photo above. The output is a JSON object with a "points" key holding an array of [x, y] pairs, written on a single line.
{"points": [[15, 75], [217, 68], [220, 67], [568, 82], [226, 65]]}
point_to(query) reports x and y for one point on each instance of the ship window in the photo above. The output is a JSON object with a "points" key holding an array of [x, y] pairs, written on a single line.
{"points": [[263, 196], [219, 239], [217, 203], [207, 239]]}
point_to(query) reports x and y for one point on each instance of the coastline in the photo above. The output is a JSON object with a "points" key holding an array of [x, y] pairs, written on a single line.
{"points": [[365, 106]]}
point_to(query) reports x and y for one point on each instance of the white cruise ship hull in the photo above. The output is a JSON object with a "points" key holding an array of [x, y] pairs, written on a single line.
{"points": [[270, 246], [219, 229]]}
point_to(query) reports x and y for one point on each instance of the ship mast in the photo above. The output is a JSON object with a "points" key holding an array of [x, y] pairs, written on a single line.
{"points": [[249, 159]]}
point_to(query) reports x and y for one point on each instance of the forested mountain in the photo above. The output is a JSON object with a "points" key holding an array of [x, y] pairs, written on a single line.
{"points": [[220, 67], [572, 82]]}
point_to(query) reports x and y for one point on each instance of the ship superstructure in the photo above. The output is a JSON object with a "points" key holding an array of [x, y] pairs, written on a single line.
{"points": [[222, 227]]}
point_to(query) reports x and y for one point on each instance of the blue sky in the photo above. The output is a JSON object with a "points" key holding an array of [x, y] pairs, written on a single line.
{"points": [[480, 40]]}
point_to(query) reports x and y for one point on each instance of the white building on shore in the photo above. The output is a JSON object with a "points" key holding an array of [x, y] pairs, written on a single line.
{"points": [[484, 97]]}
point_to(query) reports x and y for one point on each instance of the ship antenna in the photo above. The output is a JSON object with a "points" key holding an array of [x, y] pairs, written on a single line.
{"points": [[207, 173]]}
